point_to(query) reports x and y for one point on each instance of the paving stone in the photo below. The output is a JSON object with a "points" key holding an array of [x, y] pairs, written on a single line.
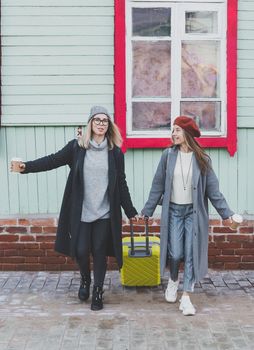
{"points": [[229, 280], [3, 345], [207, 286], [11, 283], [3, 281], [34, 344], [40, 310], [38, 283], [16, 345], [176, 345], [225, 346], [239, 343], [250, 336], [206, 280], [207, 343], [219, 283], [233, 286]]}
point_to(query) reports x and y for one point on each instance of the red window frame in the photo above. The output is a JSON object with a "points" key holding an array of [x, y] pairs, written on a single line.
{"points": [[229, 141]]}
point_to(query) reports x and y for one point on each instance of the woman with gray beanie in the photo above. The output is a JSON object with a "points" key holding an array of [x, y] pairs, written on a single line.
{"points": [[90, 221]]}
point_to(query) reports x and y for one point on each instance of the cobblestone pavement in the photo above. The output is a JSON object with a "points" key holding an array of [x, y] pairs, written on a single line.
{"points": [[40, 310]]}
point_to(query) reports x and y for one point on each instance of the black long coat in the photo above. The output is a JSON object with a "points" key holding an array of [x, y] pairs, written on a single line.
{"points": [[69, 219]]}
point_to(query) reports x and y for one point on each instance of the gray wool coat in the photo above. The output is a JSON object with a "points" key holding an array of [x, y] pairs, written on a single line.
{"points": [[204, 187]]}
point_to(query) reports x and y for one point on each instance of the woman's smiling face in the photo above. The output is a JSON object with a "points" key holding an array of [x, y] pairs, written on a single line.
{"points": [[178, 135]]}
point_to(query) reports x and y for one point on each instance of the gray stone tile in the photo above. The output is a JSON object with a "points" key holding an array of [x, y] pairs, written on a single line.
{"points": [[40, 310]]}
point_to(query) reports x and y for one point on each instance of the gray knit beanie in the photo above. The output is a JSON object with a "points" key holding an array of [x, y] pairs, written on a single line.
{"points": [[97, 110]]}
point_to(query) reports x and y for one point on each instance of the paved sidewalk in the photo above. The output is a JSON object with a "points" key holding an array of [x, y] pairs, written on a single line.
{"points": [[41, 311]]}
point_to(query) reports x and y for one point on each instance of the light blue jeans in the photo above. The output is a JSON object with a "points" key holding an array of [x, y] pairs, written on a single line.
{"points": [[180, 243]]}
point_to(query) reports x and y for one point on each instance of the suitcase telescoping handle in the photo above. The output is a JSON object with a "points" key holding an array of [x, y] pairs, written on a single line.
{"points": [[147, 251]]}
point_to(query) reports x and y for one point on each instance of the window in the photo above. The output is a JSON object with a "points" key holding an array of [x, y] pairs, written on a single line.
{"points": [[174, 59]]}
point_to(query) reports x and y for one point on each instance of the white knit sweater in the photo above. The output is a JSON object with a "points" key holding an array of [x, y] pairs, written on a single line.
{"points": [[179, 195]]}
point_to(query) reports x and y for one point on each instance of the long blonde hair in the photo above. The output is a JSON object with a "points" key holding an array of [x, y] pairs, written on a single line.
{"points": [[113, 135]]}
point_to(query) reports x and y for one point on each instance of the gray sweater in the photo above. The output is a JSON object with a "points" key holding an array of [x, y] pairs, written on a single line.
{"points": [[95, 176]]}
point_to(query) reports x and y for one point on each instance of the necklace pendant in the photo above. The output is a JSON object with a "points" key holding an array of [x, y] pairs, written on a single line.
{"points": [[185, 183]]}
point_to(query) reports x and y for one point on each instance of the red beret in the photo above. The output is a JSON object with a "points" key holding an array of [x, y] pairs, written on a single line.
{"points": [[188, 124]]}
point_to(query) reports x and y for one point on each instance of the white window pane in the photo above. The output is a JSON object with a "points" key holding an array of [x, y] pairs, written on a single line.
{"points": [[151, 115], [200, 68], [201, 22], [151, 69], [151, 21], [206, 114]]}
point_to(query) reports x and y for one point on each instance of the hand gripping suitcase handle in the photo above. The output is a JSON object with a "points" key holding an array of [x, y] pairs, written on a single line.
{"points": [[147, 237]]}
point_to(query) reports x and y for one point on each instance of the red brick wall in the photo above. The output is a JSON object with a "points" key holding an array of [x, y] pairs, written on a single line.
{"points": [[28, 244]]}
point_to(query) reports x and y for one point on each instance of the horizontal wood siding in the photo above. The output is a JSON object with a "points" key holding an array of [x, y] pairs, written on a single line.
{"points": [[57, 60], [42, 193], [35, 193], [245, 63]]}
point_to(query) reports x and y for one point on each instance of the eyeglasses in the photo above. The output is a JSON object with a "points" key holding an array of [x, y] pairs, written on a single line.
{"points": [[99, 121]]}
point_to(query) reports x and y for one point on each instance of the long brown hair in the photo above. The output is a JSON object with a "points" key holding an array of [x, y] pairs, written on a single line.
{"points": [[113, 135], [202, 157]]}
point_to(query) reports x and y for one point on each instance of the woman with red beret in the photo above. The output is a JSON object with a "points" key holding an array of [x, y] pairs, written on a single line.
{"points": [[184, 181]]}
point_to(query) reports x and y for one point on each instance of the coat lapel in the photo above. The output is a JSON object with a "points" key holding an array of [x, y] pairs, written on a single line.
{"points": [[195, 172], [111, 171], [80, 163], [172, 156]]}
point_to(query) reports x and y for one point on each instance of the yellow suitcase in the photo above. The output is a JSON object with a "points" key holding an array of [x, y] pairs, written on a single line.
{"points": [[141, 260]]}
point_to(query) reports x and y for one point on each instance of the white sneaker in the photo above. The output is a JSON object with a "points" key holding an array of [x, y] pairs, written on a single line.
{"points": [[186, 306], [171, 291]]}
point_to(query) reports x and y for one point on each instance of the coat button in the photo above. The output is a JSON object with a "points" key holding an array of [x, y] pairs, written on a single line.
{"points": [[194, 188]]}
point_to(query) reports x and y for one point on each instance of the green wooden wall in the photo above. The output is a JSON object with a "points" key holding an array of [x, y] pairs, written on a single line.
{"points": [[57, 62], [58, 59], [41, 193]]}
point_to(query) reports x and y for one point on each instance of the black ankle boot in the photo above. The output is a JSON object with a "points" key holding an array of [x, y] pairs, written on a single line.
{"points": [[84, 289], [97, 303]]}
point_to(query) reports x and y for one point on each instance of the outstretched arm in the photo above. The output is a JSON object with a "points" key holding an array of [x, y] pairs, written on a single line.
{"points": [[52, 161]]}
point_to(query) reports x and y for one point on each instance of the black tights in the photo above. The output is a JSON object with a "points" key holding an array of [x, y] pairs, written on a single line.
{"points": [[93, 239]]}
